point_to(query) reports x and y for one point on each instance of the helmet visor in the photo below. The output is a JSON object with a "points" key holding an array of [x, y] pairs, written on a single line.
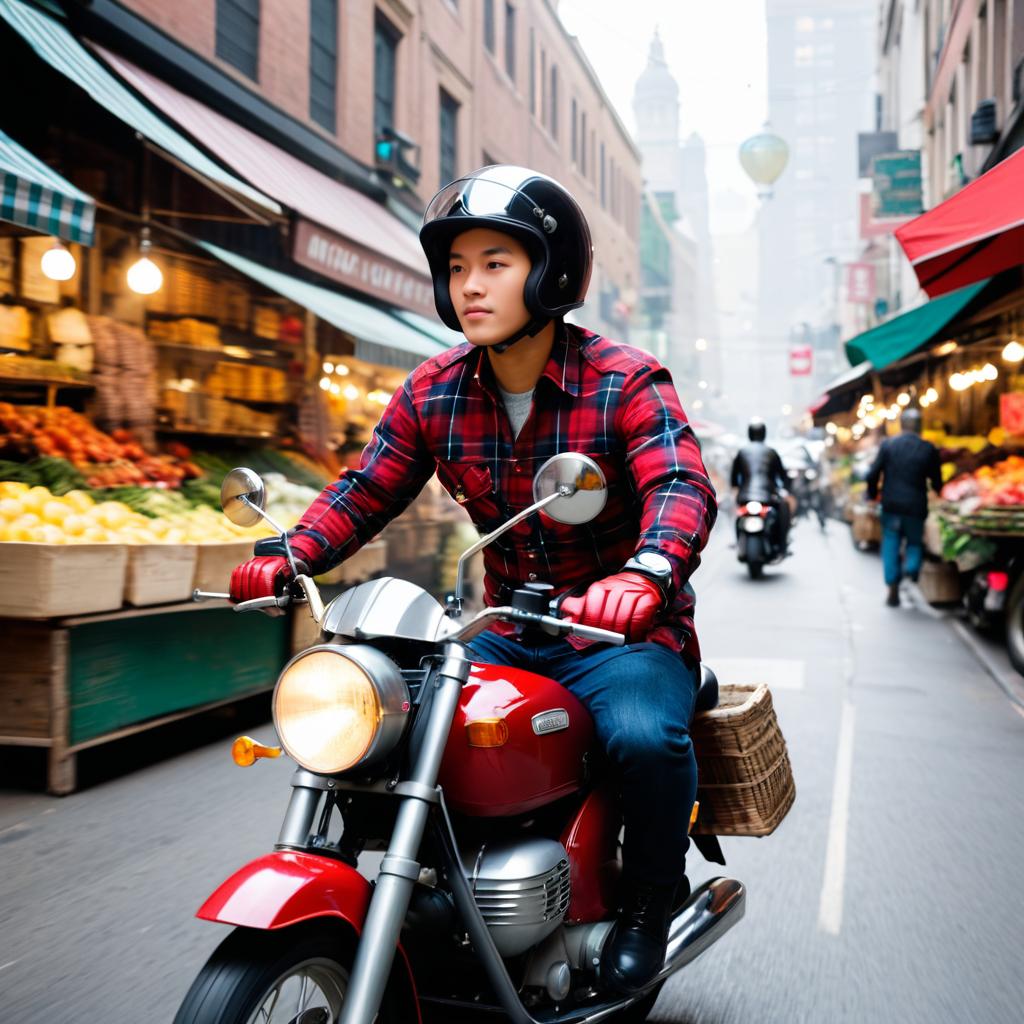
{"points": [[485, 196]]}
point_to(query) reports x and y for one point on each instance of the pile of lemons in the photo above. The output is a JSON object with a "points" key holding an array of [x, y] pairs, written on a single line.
{"points": [[34, 515]]}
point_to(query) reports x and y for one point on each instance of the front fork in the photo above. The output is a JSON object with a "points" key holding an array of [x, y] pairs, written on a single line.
{"points": [[400, 868]]}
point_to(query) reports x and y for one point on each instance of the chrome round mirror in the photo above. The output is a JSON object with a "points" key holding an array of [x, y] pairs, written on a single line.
{"points": [[581, 481], [239, 484]]}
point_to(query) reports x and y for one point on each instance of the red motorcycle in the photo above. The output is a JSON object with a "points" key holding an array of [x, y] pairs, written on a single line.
{"points": [[482, 787]]}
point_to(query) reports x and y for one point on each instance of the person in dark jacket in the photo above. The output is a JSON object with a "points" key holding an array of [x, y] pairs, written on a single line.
{"points": [[906, 465], [758, 475]]}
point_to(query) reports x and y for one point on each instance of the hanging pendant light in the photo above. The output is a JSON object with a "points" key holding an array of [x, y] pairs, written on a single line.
{"points": [[57, 263], [764, 157], [144, 276]]}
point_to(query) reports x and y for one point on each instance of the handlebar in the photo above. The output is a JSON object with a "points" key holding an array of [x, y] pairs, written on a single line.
{"points": [[550, 624], [309, 594]]}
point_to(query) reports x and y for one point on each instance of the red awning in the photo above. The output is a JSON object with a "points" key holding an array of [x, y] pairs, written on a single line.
{"points": [[292, 182], [972, 235]]}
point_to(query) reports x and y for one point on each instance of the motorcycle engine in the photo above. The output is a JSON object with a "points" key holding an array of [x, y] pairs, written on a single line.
{"points": [[522, 889]]}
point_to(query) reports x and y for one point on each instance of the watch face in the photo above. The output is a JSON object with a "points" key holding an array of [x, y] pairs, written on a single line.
{"points": [[658, 564]]}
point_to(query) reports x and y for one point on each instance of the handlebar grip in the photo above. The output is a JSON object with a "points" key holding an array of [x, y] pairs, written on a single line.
{"points": [[206, 595], [564, 626]]}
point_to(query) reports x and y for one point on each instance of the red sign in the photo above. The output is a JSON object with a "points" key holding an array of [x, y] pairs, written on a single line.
{"points": [[860, 283], [801, 361], [1011, 413], [354, 265]]}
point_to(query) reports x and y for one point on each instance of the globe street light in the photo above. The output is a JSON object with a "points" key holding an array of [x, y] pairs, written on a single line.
{"points": [[764, 157]]}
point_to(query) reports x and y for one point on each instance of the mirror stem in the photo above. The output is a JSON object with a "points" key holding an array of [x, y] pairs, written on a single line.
{"points": [[455, 606], [284, 533]]}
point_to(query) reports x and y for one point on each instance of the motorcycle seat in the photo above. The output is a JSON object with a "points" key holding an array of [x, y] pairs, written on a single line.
{"points": [[707, 692]]}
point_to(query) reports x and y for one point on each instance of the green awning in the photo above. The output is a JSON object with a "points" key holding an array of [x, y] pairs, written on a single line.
{"points": [[35, 196], [379, 335], [54, 44], [906, 333]]}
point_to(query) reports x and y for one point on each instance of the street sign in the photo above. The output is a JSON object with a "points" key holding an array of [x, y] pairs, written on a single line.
{"points": [[860, 283], [897, 184], [801, 361]]}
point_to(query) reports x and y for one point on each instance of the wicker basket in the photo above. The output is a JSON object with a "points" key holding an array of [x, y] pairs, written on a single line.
{"points": [[745, 782]]}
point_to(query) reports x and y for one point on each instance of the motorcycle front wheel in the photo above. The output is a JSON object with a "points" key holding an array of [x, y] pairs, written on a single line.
{"points": [[276, 977]]}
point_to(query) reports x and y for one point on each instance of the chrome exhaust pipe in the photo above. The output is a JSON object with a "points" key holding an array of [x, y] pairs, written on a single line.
{"points": [[708, 914]]}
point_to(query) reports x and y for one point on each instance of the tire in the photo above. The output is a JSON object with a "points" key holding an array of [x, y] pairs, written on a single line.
{"points": [[755, 557], [246, 969], [1015, 625], [639, 1012]]}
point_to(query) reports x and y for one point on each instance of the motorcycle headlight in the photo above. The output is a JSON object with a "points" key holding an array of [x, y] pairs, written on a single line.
{"points": [[811, 474], [336, 707], [754, 508]]}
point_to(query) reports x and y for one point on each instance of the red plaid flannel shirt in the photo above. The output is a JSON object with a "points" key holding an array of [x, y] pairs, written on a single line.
{"points": [[595, 396]]}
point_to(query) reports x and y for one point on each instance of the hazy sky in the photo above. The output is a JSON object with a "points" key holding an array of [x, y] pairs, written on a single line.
{"points": [[716, 51]]}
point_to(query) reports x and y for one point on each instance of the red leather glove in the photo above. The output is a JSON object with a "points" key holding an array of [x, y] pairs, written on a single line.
{"points": [[259, 577], [626, 603]]}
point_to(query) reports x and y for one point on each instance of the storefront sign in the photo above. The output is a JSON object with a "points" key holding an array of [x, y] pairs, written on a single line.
{"points": [[869, 145], [801, 361], [860, 283], [355, 266], [897, 184]]}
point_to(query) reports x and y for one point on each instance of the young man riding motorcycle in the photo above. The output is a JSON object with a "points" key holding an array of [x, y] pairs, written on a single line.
{"points": [[510, 254]]}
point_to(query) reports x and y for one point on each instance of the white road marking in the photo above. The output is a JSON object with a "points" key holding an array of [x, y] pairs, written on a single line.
{"points": [[778, 673], [830, 910]]}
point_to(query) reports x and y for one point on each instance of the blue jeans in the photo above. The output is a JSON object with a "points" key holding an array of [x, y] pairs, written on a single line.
{"points": [[641, 700], [895, 530]]}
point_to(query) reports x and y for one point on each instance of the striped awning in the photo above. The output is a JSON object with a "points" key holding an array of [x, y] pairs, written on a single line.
{"points": [[37, 197], [64, 53]]}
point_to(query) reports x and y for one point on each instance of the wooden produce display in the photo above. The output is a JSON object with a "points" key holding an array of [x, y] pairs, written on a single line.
{"points": [[73, 683], [39, 581], [160, 573], [215, 562], [939, 582]]}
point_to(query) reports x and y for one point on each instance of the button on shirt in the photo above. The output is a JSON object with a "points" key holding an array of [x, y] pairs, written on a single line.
{"points": [[610, 401]]}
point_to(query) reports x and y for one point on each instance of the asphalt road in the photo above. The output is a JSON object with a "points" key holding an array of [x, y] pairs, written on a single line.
{"points": [[891, 893]]}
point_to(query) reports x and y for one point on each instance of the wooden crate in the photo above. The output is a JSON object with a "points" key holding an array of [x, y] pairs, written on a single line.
{"points": [[160, 573], [940, 582], [39, 581], [215, 562]]}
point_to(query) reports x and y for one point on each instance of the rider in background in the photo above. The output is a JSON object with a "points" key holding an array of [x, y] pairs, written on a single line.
{"points": [[758, 475], [510, 254]]}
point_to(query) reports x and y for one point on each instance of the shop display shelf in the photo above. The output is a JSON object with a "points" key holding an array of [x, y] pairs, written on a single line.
{"points": [[254, 435], [253, 357]]}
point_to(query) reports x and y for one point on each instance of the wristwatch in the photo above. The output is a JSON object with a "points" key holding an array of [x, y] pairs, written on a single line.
{"points": [[654, 566]]}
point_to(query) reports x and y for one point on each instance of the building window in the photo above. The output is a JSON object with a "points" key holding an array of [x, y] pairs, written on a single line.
{"points": [[604, 194], [583, 144], [575, 142], [323, 62], [238, 34], [449, 126], [533, 74], [510, 41], [385, 61], [489, 25], [554, 102]]}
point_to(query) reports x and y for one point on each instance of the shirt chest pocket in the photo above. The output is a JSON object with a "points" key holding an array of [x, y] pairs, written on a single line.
{"points": [[470, 484]]}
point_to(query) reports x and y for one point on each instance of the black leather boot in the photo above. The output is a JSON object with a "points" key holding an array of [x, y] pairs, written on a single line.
{"points": [[893, 598], [634, 951]]}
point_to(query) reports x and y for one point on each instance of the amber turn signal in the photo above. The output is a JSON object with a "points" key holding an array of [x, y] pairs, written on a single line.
{"points": [[693, 815], [246, 751], [487, 732]]}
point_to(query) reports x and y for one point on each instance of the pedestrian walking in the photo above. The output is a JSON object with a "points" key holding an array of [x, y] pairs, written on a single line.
{"points": [[906, 465]]}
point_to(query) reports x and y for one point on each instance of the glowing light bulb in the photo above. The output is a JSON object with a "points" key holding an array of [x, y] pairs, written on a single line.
{"points": [[1013, 353], [932, 395], [57, 263], [342, 370], [702, 344], [325, 384], [989, 372], [903, 398], [351, 392], [145, 277], [328, 367]]}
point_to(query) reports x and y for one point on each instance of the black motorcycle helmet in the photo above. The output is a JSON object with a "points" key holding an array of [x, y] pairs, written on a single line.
{"points": [[756, 430], [534, 209]]}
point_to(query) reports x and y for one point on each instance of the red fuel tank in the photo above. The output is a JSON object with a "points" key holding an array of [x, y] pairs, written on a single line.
{"points": [[537, 735]]}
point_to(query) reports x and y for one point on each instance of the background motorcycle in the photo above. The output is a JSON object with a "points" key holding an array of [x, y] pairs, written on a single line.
{"points": [[482, 785], [757, 536]]}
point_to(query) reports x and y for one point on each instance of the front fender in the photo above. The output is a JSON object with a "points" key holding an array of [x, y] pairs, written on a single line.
{"points": [[285, 888]]}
